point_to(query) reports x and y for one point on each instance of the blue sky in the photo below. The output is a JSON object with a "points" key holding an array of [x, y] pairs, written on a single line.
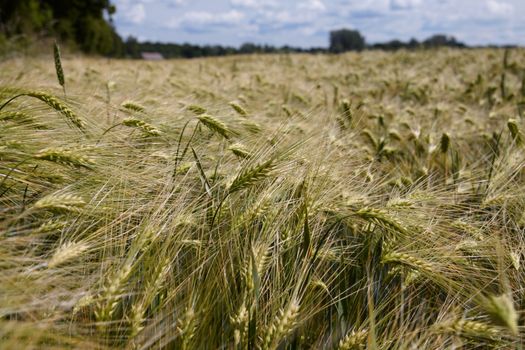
{"points": [[307, 23]]}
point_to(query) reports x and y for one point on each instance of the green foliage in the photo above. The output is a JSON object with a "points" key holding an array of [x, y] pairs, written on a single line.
{"points": [[346, 40], [79, 23]]}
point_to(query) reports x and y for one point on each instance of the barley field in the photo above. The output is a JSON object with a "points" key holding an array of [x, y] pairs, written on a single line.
{"points": [[360, 201]]}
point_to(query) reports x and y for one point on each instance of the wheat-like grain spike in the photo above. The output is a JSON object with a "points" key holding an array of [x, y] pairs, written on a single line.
{"points": [[237, 108], [283, 325], [140, 124], [65, 252], [197, 110], [66, 202], [251, 176], [240, 151], [408, 260], [58, 65], [215, 125], [354, 340], [58, 105], [65, 156], [133, 106]]}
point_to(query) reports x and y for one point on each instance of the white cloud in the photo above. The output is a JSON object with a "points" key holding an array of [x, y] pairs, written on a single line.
{"points": [[404, 4], [201, 19], [307, 22], [499, 8], [312, 5], [175, 2], [244, 3], [350, 7], [286, 18], [135, 14], [254, 4]]}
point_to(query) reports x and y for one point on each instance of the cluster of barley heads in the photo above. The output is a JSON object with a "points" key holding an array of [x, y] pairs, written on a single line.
{"points": [[361, 201]]}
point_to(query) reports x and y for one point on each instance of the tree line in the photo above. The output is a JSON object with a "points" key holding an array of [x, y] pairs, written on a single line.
{"points": [[340, 41], [87, 25]]}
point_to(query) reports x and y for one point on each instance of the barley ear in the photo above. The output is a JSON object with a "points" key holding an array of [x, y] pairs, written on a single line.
{"points": [[147, 128], [347, 111], [195, 109], [501, 310], [58, 67], [186, 325], [240, 151], [60, 202], [251, 176], [284, 323], [237, 108], [65, 252], [354, 340], [515, 131], [111, 293], [469, 329], [444, 143], [215, 125], [57, 105], [65, 156], [133, 106]]}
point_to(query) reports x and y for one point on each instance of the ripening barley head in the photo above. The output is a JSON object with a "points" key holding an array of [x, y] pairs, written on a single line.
{"points": [[58, 66]]}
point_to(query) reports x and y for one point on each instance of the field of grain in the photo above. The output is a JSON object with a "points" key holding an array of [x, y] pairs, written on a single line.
{"points": [[372, 200]]}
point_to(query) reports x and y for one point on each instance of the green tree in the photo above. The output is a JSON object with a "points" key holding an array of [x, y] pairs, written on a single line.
{"points": [[23, 16], [346, 40], [81, 23], [442, 40]]}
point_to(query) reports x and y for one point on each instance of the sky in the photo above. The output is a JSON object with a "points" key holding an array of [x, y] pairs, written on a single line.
{"points": [[307, 23]]}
